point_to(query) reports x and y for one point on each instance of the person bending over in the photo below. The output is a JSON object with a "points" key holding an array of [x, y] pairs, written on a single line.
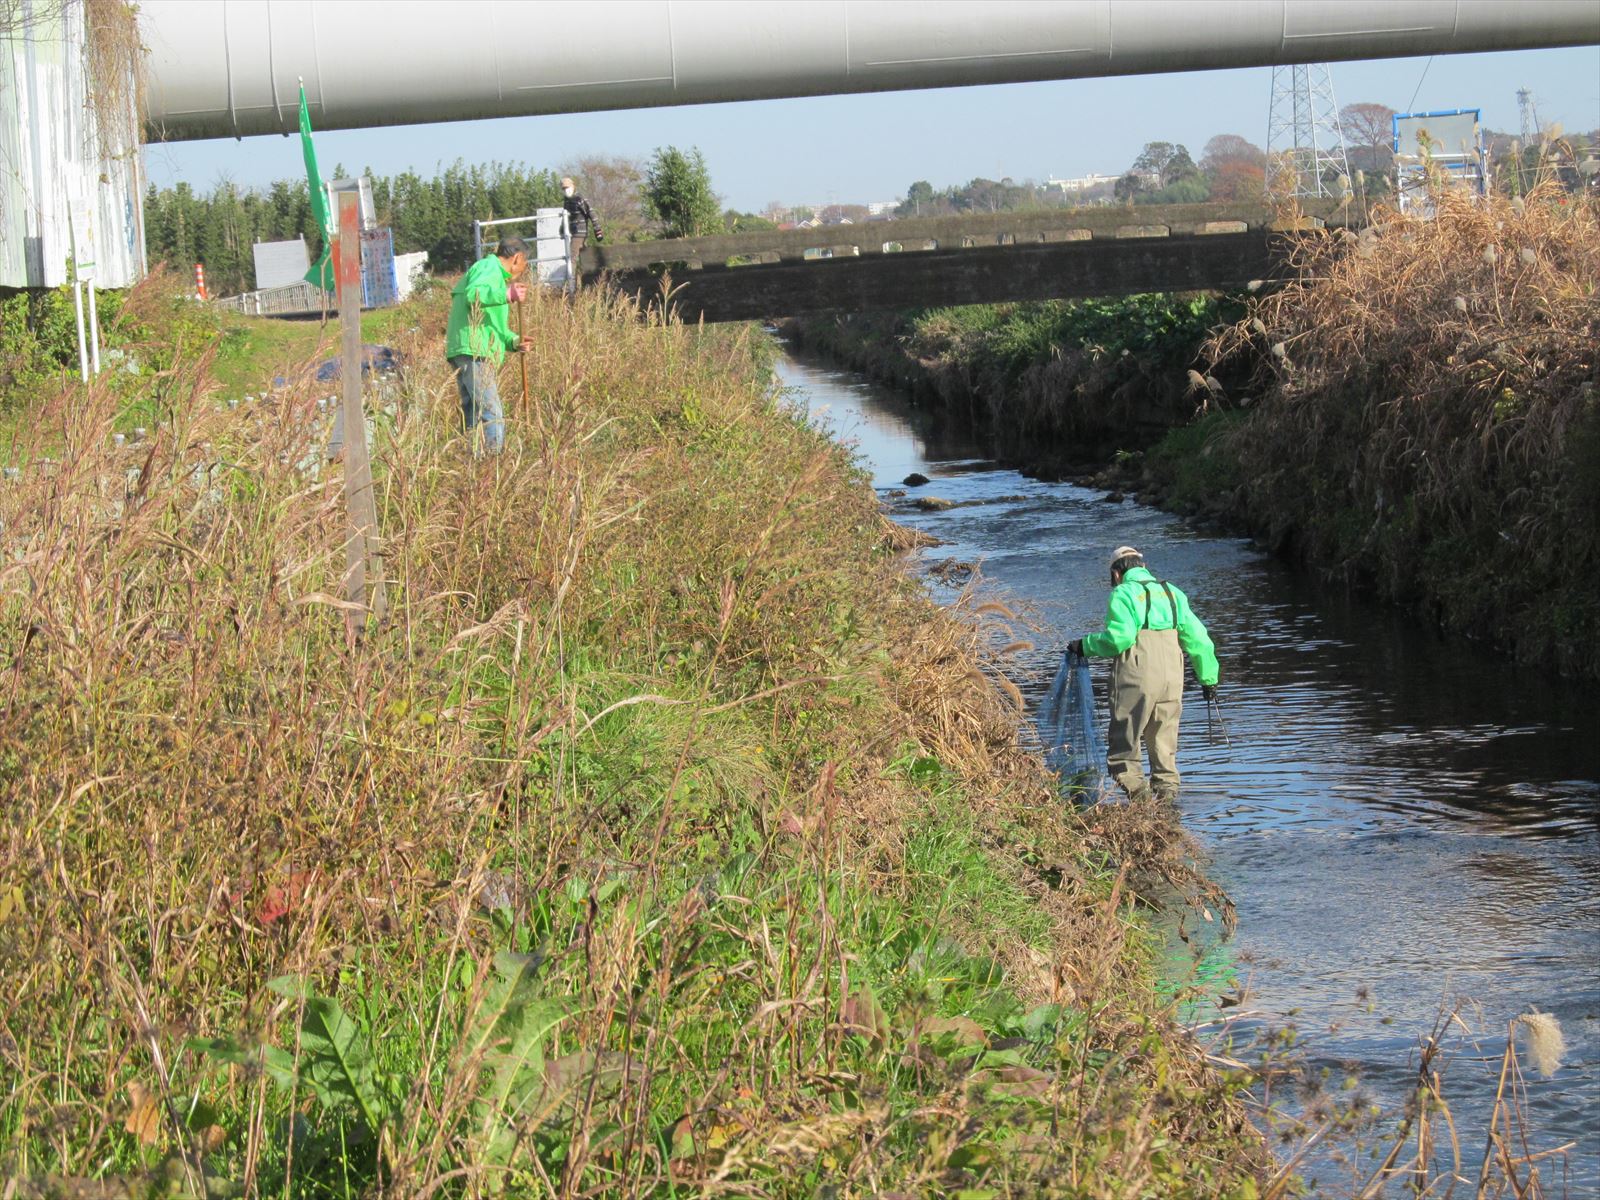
{"points": [[1149, 628], [479, 334]]}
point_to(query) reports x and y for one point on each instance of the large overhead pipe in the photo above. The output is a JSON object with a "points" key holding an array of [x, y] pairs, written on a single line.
{"points": [[229, 68]]}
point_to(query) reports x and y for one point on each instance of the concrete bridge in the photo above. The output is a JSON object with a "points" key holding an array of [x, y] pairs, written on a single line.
{"points": [[969, 259]]}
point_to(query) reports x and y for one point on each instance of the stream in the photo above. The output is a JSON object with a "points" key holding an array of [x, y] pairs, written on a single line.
{"points": [[1405, 821]]}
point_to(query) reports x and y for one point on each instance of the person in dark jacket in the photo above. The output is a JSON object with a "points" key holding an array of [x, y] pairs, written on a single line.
{"points": [[580, 222]]}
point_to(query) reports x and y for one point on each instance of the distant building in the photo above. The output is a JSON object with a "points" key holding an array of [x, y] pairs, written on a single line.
{"points": [[880, 207], [1081, 184], [409, 269]]}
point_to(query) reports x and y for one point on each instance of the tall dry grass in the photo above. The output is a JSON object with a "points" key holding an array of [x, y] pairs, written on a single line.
{"points": [[1428, 417], [666, 838]]}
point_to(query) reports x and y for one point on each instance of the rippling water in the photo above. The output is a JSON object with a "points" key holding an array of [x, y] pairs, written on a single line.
{"points": [[1402, 820]]}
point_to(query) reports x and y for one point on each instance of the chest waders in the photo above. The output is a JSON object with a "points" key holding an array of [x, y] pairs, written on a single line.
{"points": [[1146, 702]]}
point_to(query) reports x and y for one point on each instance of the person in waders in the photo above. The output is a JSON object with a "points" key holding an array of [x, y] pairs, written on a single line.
{"points": [[1149, 628]]}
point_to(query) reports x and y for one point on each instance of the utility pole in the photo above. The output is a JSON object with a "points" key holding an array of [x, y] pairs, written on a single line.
{"points": [[1303, 133]]}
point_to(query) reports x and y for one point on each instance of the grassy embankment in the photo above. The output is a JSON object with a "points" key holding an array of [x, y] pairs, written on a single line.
{"points": [[1417, 415], [1426, 421], [1057, 384], [666, 840]]}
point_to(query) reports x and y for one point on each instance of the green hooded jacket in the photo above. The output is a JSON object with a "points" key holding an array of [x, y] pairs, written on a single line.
{"points": [[1141, 593], [478, 310]]}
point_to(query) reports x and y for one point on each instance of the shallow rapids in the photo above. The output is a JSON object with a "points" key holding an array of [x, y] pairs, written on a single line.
{"points": [[1404, 821]]}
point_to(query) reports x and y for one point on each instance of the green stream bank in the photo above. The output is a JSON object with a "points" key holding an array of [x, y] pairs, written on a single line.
{"points": [[1417, 414]]}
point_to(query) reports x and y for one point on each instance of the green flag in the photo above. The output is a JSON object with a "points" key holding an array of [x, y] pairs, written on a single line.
{"points": [[321, 272]]}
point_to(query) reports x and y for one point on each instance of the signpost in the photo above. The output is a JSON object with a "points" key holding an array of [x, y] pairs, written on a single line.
{"points": [[1450, 144], [362, 546]]}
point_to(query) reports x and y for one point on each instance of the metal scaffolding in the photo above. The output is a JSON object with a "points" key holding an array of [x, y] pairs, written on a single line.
{"points": [[1304, 141]]}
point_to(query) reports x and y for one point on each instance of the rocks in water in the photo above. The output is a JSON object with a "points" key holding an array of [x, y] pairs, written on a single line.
{"points": [[1113, 498], [915, 479], [939, 503], [1012, 499]]}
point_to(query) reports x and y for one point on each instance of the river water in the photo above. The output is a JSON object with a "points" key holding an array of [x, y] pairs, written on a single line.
{"points": [[1404, 821]]}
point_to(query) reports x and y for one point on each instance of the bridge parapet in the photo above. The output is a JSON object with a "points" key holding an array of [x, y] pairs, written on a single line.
{"points": [[966, 231]]}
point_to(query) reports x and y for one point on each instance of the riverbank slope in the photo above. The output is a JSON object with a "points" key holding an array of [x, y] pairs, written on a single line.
{"points": [[665, 836]]}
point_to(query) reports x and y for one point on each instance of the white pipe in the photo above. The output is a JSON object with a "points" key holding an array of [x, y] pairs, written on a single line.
{"points": [[94, 331], [77, 307], [229, 68]]}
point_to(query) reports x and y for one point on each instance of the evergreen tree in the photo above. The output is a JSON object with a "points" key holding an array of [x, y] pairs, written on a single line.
{"points": [[221, 227]]}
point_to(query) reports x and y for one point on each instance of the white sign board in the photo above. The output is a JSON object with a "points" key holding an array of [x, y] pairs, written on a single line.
{"points": [[281, 263], [1448, 135]]}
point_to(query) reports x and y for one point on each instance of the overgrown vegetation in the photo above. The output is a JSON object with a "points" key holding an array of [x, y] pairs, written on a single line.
{"points": [[1077, 379], [143, 347], [1428, 422], [39, 344], [667, 840], [114, 76]]}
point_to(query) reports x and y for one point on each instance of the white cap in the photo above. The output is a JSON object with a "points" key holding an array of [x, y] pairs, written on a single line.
{"points": [[1122, 552]]}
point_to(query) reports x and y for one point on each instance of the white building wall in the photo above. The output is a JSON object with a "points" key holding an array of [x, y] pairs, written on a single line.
{"points": [[408, 268], [59, 199]]}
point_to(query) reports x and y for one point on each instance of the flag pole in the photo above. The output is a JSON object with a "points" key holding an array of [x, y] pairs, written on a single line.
{"points": [[321, 272]]}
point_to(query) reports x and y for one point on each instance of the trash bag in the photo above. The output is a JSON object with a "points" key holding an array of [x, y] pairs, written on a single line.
{"points": [[1070, 729], [375, 360]]}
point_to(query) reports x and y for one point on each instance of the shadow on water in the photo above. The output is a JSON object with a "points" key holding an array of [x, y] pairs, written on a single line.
{"points": [[1403, 818]]}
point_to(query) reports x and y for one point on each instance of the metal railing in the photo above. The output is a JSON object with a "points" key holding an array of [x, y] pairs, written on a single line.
{"points": [[552, 258]]}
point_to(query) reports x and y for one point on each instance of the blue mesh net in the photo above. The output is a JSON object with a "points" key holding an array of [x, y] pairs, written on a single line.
{"points": [[1070, 729]]}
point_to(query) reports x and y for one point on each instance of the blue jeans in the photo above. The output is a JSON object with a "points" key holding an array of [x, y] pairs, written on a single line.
{"points": [[480, 400]]}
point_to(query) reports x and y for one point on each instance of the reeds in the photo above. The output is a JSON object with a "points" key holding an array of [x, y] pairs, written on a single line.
{"points": [[1430, 1153], [1428, 419], [631, 855]]}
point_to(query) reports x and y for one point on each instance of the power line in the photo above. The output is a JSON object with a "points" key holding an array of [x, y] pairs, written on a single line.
{"points": [[1412, 107]]}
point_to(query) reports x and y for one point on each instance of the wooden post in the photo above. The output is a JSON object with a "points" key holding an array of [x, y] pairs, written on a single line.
{"points": [[522, 362], [361, 544]]}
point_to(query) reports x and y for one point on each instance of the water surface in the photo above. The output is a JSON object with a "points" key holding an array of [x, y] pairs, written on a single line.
{"points": [[1404, 820]]}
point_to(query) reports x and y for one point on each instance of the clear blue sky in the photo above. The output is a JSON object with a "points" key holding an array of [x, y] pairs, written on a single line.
{"points": [[859, 149]]}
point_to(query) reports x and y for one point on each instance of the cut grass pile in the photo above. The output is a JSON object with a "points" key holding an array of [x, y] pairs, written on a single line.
{"points": [[665, 840]]}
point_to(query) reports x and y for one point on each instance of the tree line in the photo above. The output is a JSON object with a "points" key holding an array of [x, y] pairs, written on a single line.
{"points": [[671, 196], [1232, 168]]}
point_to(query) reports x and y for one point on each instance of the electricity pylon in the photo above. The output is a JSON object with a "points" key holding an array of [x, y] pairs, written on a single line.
{"points": [[1303, 135]]}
